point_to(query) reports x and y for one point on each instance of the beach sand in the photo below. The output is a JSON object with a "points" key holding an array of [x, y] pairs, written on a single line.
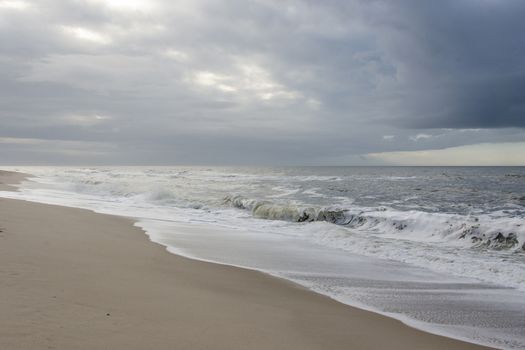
{"points": [[74, 279]]}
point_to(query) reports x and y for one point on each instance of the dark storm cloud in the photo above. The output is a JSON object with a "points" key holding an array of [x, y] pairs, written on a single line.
{"points": [[465, 58], [493, 102], [300, 82]]}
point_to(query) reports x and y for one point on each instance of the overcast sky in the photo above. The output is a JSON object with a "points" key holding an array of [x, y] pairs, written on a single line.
{"points": [[333, 82]]}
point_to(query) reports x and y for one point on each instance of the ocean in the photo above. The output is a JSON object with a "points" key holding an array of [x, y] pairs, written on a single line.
{"points": [[439, 248]]}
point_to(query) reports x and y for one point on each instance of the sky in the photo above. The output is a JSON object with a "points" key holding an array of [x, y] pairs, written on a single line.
{"points": [[271, 82]]}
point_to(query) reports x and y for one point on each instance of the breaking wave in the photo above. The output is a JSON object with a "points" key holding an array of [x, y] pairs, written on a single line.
{"points": [[489, 231]]}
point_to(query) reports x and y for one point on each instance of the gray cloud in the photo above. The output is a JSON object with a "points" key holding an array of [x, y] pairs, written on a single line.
{"points": [[261, 81]]}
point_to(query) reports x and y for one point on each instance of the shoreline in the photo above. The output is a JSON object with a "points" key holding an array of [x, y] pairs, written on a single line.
{"points": [[75, 278]]}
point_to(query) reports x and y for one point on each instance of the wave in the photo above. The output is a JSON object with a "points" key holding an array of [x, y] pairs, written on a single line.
{"points": [[498, 232], [269, 210]]}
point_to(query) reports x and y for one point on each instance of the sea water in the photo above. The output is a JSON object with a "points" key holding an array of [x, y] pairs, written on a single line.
{"points": [[440, 248]]}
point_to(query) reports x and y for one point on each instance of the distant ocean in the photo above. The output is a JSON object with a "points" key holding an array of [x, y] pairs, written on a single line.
{"points": [[440, 248]]}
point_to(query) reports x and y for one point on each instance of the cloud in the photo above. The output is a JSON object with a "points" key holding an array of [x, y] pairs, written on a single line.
{"points": [[127, 5], [472, 155], [420, 137], [298, 82], [86, 120], [87, 35], [41, 151], [176, 55], [14, 4]]}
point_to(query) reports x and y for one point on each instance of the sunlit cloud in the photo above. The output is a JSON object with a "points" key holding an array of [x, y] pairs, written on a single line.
{"points": [[14, 4], [128, 5], [509, 153], [176, 55], [214, 80], [87, 35], [259, 80], [250, 80]]}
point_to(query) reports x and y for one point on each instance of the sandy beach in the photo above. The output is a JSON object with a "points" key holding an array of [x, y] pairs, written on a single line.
{"points": [[74, 279]]}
